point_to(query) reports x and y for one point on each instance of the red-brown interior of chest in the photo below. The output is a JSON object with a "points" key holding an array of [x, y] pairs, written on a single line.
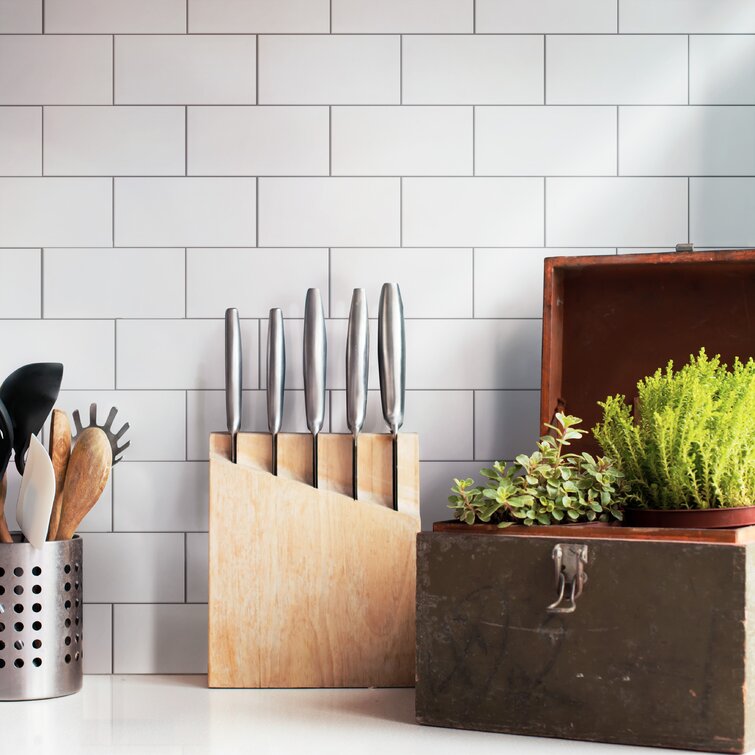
{"points": [[609, 321]]}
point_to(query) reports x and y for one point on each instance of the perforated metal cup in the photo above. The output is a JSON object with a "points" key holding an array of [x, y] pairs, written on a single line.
{"points": [[41, 619]]}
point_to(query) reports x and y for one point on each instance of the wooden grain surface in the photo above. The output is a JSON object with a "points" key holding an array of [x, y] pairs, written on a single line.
{"points": [[659, 650], [307, 587], [736, 536]]}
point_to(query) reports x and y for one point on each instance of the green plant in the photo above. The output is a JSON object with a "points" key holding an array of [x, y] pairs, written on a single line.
{"points": [[548, 487], [692, 443]]}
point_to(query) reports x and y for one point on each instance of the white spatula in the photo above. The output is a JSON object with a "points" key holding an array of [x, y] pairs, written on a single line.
{"points": [[37, 494]]}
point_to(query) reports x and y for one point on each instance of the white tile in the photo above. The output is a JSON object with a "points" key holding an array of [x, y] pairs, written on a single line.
{"points": [[85, 347], [687, 16], [721, 212], [160, 496], [56, 70], [551, 141], [472, 70], [450, 270], [120, 141], [155, 639], [259, 16], [97, 639], [403, 16], [546, 16], [197, 567], [251, 280], [114, 283], [403, 141], [507, 423], [616, 211], [207, 415], [20, 271], [722, 70], [467, 354], [509, 282], [322, 69], [115, 16], [436, 479], [20, 16], [613, 69], [180, 354], [687, 141], [329, 212], [258, 141], [184, 211], [157, 420], [55, 212], [443, 419], [139, 567], [20, 141], [185, 69], [336, 354], [472, 211]]}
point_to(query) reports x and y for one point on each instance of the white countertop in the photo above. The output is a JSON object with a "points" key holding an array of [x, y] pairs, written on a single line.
{"points": [[178, 715]]}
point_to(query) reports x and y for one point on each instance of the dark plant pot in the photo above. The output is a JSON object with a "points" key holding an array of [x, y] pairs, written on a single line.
{"points": [[741, 516]]}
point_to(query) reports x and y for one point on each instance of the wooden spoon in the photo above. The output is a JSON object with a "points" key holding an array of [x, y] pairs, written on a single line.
{"points": [[60, 452], [86, 477], [5, 536]]}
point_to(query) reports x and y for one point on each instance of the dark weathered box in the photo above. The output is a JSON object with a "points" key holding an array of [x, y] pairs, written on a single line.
{"points": [[648, 638]]}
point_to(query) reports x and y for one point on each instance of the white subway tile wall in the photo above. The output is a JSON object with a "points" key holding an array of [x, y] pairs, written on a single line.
{"points": [[161, 160]]}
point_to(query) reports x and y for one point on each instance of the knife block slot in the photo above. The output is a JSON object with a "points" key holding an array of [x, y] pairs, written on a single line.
{"points": [[309, 588]]}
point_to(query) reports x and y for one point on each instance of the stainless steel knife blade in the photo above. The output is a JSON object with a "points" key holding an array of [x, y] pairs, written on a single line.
{"points": [[233, 375], [276, 379], [357, 376], [315, 362]]}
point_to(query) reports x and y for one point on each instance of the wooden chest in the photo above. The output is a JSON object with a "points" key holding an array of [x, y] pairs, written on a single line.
{"points": [[649, 637]]}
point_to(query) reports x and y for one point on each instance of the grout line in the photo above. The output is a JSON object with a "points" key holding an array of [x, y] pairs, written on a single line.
{"points": [[401, 69], [474, 253], [43, 15], [400, 212], [186, 425], [330, 140], [256, 69], [112, 640], [187, 16], [545, 68], [42, 283], [474, 425], [689, 219], [688, 68], [618, 173], [115, 354], [618, 5], [474, 16], [257, 212], [186, 140], [112, 210], [186, 567], [42, 123], [112, 65], [474, 140], [186, 283], [545, 212], [259, 355], [330, 16], [330, 283]]}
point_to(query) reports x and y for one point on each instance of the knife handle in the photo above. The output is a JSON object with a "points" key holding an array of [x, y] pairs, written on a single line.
{"points": [[392, 355], [233, 375], [315, 360], [357, 362], [276, 370]]}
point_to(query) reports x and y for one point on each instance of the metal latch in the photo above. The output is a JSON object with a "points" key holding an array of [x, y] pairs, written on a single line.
{"points": [[570, 560], [685, 246]]}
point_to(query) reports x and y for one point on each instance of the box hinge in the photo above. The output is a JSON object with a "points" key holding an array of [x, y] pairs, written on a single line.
{"points": [[570, 560], [685, 246]]}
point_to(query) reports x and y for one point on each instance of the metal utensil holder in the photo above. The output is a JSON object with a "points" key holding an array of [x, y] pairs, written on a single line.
{"points": [[40, 619]]}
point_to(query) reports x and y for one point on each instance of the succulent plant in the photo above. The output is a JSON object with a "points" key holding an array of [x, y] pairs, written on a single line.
{"points": [[548, 487]]}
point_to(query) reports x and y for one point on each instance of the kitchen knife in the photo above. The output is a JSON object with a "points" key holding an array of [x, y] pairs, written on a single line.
{"points": [[392, 367], [276, 379], [233, 377], [315, 361], [357, 375]]}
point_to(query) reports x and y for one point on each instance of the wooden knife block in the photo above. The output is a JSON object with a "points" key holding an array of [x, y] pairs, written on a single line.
{"points": [[307, 587]]}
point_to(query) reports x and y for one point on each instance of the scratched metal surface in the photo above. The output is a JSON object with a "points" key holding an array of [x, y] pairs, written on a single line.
{"points": [[653, 655]]}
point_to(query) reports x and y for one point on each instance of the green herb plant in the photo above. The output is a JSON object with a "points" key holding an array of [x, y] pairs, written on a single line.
{"points": [[548, 487], [692, 443]]}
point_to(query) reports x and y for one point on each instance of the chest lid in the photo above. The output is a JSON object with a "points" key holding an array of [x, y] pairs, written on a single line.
{"points": [[610, 320]]}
